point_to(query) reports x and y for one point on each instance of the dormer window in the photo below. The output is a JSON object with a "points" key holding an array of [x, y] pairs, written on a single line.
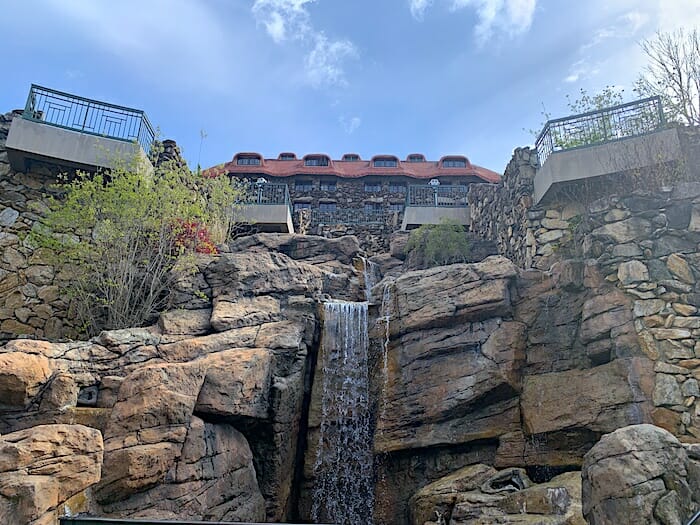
{"points": [[454, 162], [248, 160], [416, 157], [385, 162], [351, 157], [316, 160], [287, 156]]}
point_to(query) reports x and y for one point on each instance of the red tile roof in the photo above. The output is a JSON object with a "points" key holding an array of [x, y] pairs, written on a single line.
{"points": [[352, 169]]}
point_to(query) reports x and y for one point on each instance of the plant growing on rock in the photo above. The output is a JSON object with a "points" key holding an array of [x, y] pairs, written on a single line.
{"points": [[119, 233], [439, 244]]}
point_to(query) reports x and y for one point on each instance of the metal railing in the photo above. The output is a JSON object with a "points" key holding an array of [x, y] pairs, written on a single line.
{"points": [[694, 519], [348, 216], [600, 126], [118, 521], [267, 193], [63, 110], [437, 196]]}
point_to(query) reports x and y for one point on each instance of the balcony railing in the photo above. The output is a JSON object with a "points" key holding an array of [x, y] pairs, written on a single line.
{"points": [[600, 126], [267, 193], [67, 111], [437, 196], [348, 216]]}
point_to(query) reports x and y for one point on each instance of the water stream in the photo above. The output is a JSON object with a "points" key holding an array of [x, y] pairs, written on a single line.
{"points": [[343, 469]]}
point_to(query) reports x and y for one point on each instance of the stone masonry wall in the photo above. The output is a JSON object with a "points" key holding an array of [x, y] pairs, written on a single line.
{"points": [[499, 212], [31, 301], [645, 241]]}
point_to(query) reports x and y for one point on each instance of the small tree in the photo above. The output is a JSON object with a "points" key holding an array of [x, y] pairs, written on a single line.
{"points": [[122, 232], [673, 72], [439, 244]]}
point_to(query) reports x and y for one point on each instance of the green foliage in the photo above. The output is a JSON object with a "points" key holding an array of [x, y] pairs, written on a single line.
{"points": [[439, 244], [120, 232]]}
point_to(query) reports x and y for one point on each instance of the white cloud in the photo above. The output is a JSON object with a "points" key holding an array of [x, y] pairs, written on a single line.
{"points": [[418, 8], [324, 63], [349, 124], [289, 20], [283, 19], [512, 17]]}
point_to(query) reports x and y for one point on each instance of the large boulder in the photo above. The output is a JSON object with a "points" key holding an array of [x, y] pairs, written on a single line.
{"points": [[478, 494], [212, 479], [451, 385], [639, 474], [21, 376], [43, 467], [605, 398], [447, 295]]}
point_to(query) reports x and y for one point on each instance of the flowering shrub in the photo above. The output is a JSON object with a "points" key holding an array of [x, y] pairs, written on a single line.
{"points": [[194, 236]]}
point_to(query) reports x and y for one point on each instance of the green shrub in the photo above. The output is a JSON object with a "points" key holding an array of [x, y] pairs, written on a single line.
{"points": [[121, 232], [439, 244]]}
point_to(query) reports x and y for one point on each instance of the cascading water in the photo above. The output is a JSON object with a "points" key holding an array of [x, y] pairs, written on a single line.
{"points": [[385, 316], [343, 488], [371, 277]]}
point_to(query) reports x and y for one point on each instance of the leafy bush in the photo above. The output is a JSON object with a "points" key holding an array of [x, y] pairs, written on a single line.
{"points": [[438, 244], [122, 232]]}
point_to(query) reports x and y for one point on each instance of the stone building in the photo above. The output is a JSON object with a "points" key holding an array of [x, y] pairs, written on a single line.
{"points": [[351, 190]]}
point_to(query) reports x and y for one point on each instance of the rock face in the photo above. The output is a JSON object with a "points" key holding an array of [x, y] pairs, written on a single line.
{"points": [[642, 473], [42, 468], [480, 360], [200, 414], [479, 494]]}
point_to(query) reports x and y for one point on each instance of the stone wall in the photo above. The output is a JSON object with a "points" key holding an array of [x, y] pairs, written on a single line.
{"points": [[499, 212], [31, 300], [641, 232]]}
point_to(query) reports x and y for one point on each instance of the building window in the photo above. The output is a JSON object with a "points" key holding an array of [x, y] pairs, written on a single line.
{"points": [[303, 185], [416, 158], [328, 185], [302, 206], [397, 187], [385, 163], [351, 157], [373, 187], [316, 161], [396, 206], [327, 206], [287, 156], [373, 207], [454, 163], [248, 160]]}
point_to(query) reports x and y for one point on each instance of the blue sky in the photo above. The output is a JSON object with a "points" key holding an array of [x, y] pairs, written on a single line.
{"points": [[334, 76]]}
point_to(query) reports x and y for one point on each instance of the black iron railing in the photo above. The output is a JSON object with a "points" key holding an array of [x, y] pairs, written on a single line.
{"points": [[348, 216], [600, 126], [117, 521], [88, 116], [268, 193], [437, 196]]}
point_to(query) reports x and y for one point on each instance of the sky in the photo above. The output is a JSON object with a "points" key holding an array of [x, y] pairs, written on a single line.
{"points": [[437, 77]]}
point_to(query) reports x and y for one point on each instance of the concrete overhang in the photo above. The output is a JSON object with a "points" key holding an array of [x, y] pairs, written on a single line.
{"points": [[605, 159], [415, 216], [30, 140], [270, 218]]}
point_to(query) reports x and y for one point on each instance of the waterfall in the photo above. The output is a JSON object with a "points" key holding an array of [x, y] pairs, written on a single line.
{"points": [[343, 487], [385, 317], [371, 276]]}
